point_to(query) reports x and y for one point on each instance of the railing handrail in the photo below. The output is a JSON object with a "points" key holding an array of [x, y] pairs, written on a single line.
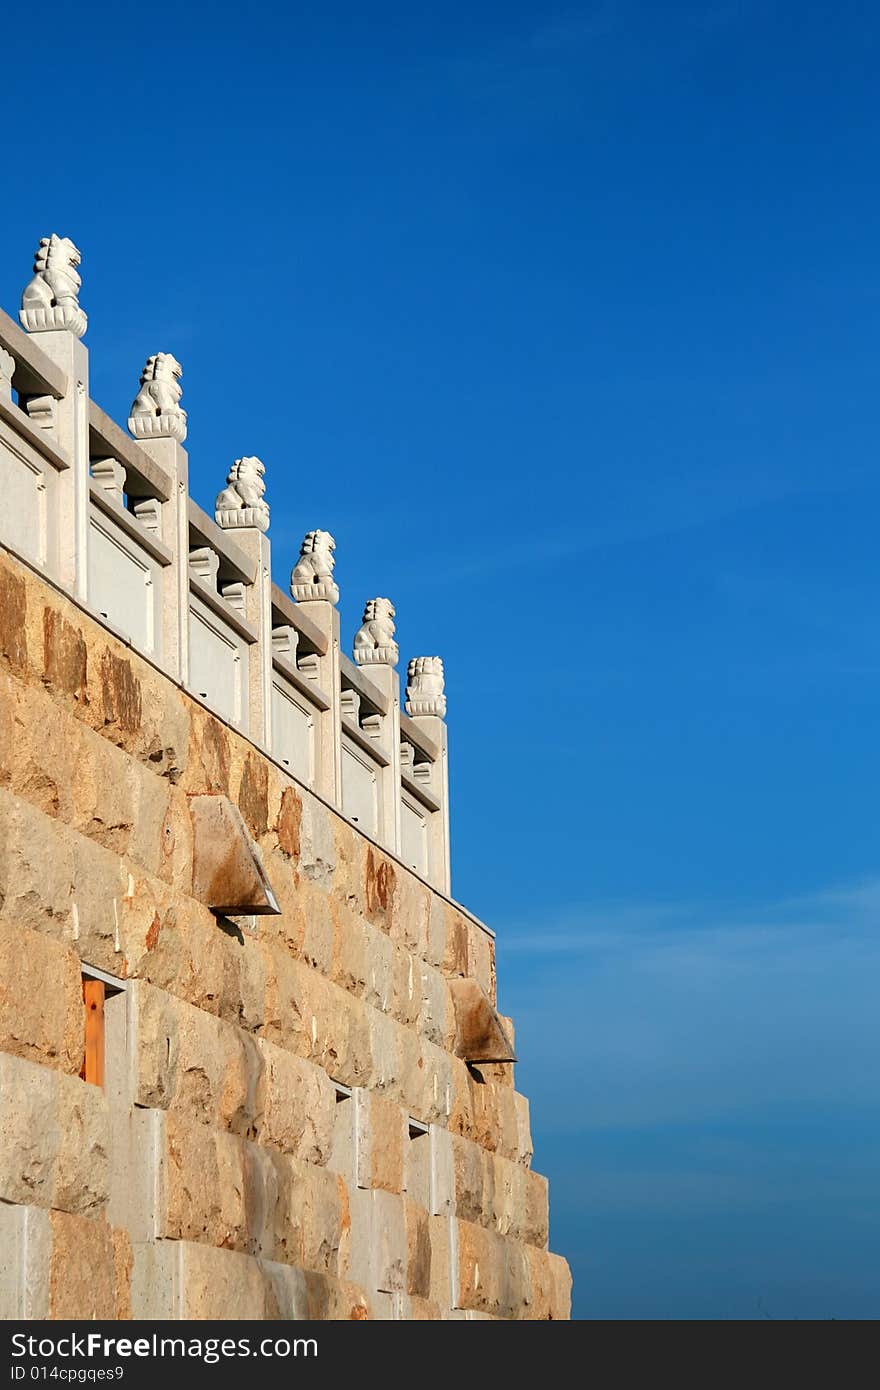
{"points": [[238, 566], [143, 476], [35, 374], [355, 679], [294, 616], [419, 738], [41, 440]]}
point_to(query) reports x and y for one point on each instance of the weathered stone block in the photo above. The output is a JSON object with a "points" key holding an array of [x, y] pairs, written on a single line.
{"points": [[55, 1138], [379, 969], [440, 1231], [349, 968], [417, 1167], [54, 1264], [418, 1250], [317, 860], [177, 1279], [416, 1309], [435, 952], [42, 1016], [378, 1249], [13, 618], [523, 1148], [550, 1287], [455, 947], [481, 959], [380, 888], [406, 987], [491, 1273], [192, 1062], [534, 1213], [436, 1017], [412, 909], [442, 1171], [381, 1134], [220, 1190], [299, 1106], [89, 1269], [319, 934], [218, 1074]]}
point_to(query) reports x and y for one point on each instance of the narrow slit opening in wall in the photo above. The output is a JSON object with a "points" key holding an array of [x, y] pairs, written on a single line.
{"points": [[342, 1092], [416, 1129], [97, 988]]}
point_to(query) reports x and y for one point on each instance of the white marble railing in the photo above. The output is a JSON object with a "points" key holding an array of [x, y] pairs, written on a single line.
{"points": [[107, 516]]}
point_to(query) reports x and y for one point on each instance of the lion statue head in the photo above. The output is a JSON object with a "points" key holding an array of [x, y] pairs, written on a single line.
{"points": [[312, 576], [241, 501], [374, 642], [50, 299]]}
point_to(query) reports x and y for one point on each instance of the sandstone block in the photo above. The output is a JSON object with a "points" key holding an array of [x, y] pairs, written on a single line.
{"points": [[381, 1135], [481, 959], [550, 1287], [55, 1142], [319, 934], [436, 1018], [416, 1309], [417, 1167], [435, 946], [299, 1106], [455, 948], [406, 987], [534, 1210], [54, 1264], [220, 1190], [218, 1074], [440, 1231], [41, 1005], [379, 951], [13, 615], [523, 1148], [378, 1250], [418, 1250], [380, 888], [411, 914], [55, 1138], [349, 968], [442, 1171], [180, 1280], [89, 1269], [491, 1273], [317, 845]]}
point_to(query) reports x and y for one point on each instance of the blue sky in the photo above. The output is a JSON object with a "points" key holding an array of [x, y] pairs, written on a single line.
{"points": [[564, 320]]}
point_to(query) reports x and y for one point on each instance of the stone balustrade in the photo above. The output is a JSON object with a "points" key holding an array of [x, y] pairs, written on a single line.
{"points": [[106, 516]]}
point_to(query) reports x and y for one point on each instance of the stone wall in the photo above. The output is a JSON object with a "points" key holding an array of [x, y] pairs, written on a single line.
{"points": [[285, 1129]]}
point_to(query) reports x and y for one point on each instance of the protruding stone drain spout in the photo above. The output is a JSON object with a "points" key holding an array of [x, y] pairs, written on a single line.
{"points": [[228, 873], [479, 1033]]}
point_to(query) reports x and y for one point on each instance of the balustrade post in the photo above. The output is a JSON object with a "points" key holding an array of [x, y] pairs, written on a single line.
{"points": [[241, 507], [313, 586], [50, 307], [426, 705], [158, 423], [376, 649]]}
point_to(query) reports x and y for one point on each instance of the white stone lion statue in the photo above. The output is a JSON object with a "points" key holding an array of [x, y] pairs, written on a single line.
{"points": [[312, 575], [374, 643], [425, 687], [156, 410], [241, 501], [50, 298]]}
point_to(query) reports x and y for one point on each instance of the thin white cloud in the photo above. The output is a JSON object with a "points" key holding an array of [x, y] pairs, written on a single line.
{"points": [[650, 1014]]}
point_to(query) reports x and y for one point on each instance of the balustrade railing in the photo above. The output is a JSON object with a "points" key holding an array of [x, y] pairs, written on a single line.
{"points": [[107, 516]]}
